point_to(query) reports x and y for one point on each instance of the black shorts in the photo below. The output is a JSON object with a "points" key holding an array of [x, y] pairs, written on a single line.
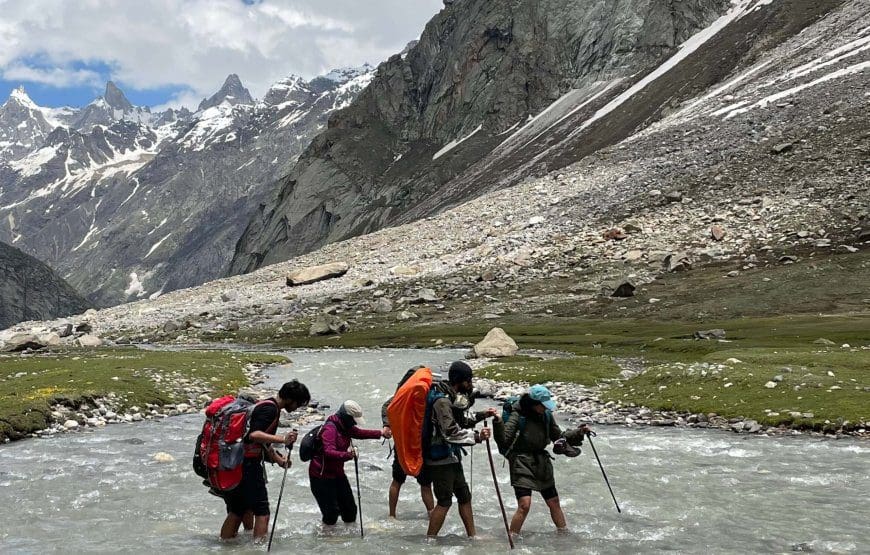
{"points": [[449, 480], [250, 494], [400, 476], [547, 494]]}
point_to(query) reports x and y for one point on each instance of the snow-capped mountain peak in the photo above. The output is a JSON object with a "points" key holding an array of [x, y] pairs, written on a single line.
{"points": [[20, 96], [345, 74], [112, 106], [23, 125]]}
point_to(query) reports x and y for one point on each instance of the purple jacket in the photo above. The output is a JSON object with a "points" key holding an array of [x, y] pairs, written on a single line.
{"points": [[336, 441]]}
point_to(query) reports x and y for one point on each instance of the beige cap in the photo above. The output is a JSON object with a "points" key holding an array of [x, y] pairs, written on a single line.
{"points": [[352, 409]]}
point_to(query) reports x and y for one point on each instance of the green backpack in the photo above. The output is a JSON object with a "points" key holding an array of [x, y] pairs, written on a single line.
{"points": [[507, 409]]}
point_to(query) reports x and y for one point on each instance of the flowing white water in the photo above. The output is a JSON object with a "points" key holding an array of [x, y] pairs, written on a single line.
{"points": [[681, 491]]}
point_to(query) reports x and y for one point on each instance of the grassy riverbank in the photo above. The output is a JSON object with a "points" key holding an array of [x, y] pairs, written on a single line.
{"points": [[31, 385], [684, 374]]}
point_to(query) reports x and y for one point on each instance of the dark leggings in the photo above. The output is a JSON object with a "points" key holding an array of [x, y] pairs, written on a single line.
{"points": [[335, 498]]}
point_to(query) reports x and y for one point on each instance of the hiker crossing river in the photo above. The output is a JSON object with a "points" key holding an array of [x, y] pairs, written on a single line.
{"points": [[687, 491]]}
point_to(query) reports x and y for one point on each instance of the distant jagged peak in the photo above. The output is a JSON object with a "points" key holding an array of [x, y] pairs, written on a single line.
{"points": [[116, 99], [20, 97], [231, 92]]}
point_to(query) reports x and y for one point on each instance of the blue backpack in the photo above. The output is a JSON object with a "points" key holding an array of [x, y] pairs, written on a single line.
{"points": [[438, 451], [507, 409]]}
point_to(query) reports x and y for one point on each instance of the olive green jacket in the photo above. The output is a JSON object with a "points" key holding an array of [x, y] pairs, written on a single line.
{"points": [[530, 464]]}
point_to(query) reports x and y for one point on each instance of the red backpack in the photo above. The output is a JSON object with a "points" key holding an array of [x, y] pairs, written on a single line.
{"points": [[220, 448]]}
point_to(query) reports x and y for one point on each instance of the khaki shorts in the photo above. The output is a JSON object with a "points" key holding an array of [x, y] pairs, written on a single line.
{"points": [[449, 480]]}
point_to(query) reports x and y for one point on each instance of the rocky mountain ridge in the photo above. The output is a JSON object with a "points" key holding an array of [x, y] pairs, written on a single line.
{"points": [[31, 290], [152, 202], [496, 93]]}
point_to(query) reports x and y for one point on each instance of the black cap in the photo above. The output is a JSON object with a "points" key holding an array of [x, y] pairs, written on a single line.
{"points": [[459, 372]]}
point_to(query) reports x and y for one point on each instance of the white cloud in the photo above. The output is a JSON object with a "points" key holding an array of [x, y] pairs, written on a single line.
{"points": [[197, 43], [54, 76]]}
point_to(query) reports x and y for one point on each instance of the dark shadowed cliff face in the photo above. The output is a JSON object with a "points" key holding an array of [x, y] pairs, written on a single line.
{"points": [[30, 290], [480, 70]]}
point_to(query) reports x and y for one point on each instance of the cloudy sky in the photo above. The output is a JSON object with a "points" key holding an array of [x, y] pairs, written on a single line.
{"points": [[175, 52]]}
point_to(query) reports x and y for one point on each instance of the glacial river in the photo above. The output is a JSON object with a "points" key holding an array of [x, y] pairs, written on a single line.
{"points": [[681, 491]]}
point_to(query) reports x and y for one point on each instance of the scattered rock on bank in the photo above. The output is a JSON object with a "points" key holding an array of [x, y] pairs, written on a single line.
{"points": [[90, 341], [22, 342], [710, 334], [313, 274], [624, 289], [383, 305], [328, 324]]}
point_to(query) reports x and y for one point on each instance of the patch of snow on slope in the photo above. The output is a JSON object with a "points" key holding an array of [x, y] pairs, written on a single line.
{"points": [[453, 144], [716, 92], [93, 228], [135, 287], [210, 123], [32, 163], [542, 123], [732, 111], [739, 9], [157, 245]]}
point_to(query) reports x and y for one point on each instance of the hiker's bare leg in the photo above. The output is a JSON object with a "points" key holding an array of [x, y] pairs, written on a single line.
{"points": [[248, 521], [556, 513], [261, 527], [436, 520], [395, 487], [428, 498], [523, 505], [467, 516], [230, 527]]}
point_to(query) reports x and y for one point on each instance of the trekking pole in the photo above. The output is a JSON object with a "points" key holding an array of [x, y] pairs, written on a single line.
{"points": [[358, 496], [280, 495], [589, 434], [498, 492]]}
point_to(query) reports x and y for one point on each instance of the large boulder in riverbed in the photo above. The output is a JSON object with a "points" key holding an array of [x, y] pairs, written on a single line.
{"points": [[496, 344], [313, 274]]}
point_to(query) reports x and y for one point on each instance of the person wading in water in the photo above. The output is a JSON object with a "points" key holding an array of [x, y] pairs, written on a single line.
{"points": [[329, 484], [448, 429], [399, 475], [250, 497], [523, 438]]}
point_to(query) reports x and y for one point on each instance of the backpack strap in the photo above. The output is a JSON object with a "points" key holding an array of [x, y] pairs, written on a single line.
{"points": [[520, 428], [251, 446]]}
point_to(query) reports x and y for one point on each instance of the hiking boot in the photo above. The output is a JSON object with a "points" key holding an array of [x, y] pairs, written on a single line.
{"points": [[562, 447]]}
